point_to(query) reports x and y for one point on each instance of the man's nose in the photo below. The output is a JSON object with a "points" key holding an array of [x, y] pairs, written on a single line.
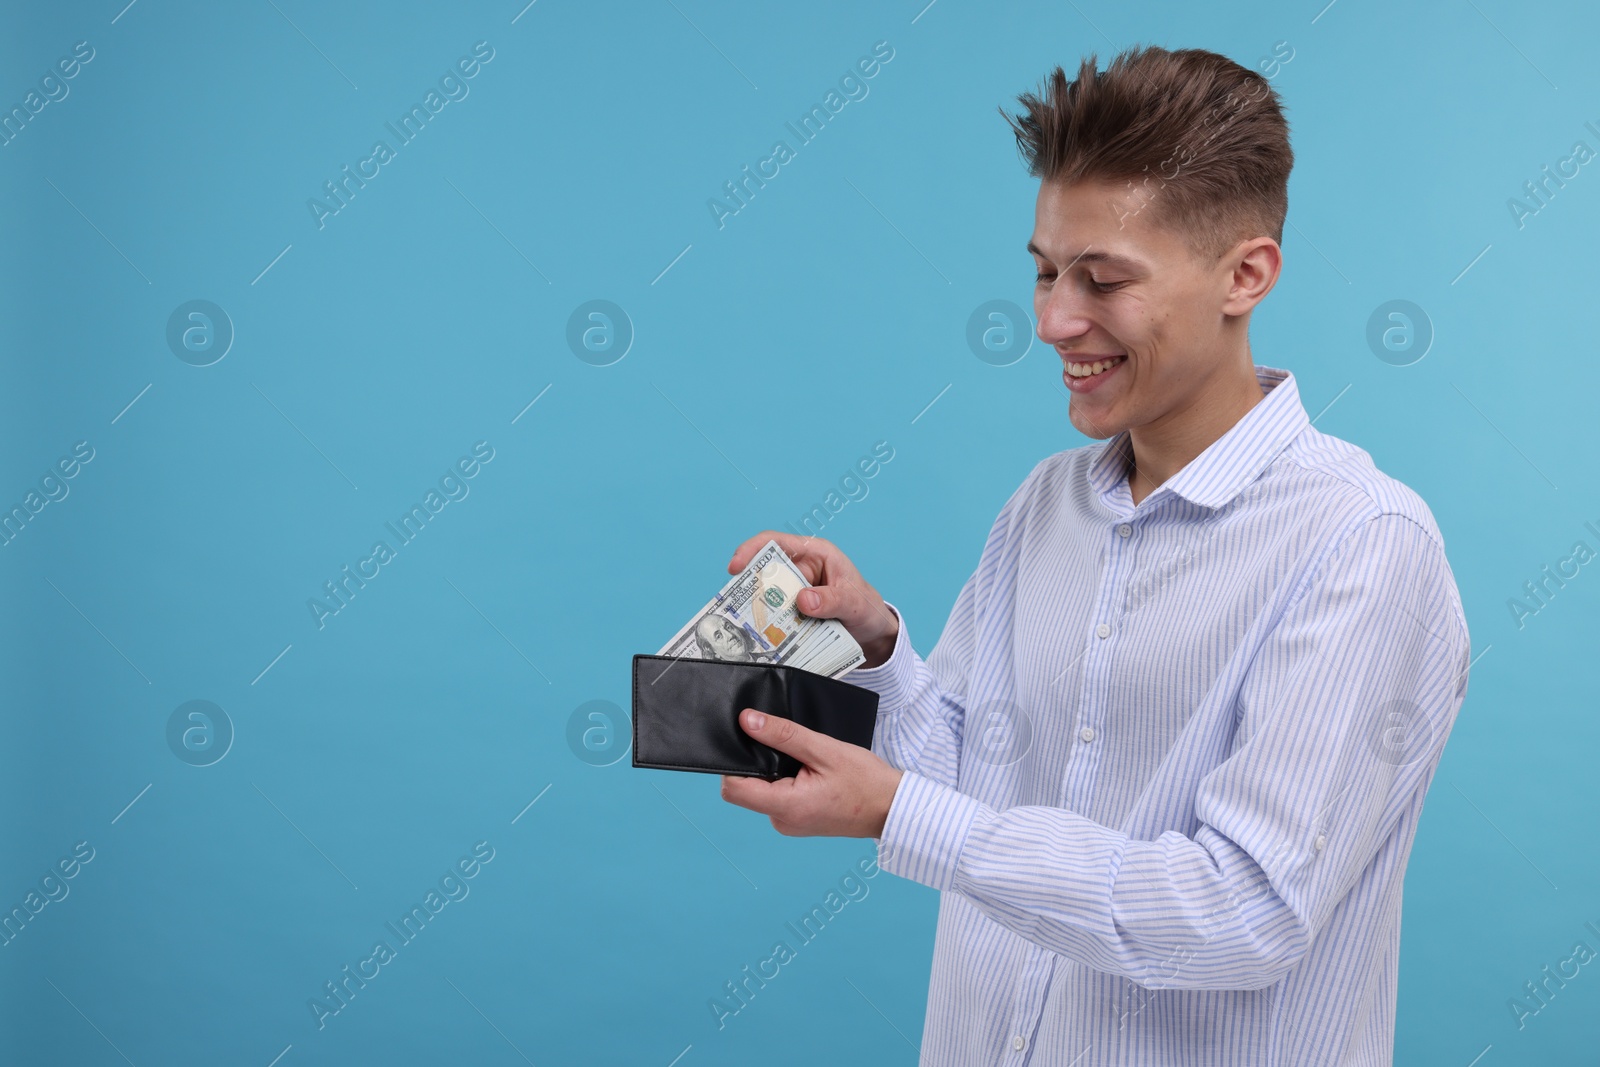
{"points": [[1062, 317]]}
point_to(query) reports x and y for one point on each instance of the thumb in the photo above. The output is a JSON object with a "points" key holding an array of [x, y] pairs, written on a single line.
{"points": [[785, 735], [820, 602]]}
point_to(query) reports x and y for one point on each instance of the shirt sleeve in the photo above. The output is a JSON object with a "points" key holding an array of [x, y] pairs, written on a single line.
{"points": [[1342, 718], [922, 703], [919, 721]]}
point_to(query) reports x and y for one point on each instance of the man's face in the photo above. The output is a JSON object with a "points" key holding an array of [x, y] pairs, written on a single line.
{"points": [[1112, 283]]}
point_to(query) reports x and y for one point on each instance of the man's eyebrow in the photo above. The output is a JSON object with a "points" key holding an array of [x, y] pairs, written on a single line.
{"points": [[1109, 259]]}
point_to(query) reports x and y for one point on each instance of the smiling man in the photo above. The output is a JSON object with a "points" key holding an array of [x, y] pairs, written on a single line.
{"points": [[1166, 762]]}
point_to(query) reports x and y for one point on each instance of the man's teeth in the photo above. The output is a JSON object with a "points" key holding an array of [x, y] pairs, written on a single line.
{"points": [[1085, 370]]}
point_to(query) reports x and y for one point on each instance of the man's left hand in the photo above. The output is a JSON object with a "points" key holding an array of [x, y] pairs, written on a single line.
{"points": [[842, 790]]}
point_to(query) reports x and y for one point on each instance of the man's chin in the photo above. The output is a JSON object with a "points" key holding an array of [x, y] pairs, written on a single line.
{"points": [[1096, 429]]}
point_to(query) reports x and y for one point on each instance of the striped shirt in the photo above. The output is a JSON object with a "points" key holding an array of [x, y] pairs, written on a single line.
{"points": [[1166, 761]]}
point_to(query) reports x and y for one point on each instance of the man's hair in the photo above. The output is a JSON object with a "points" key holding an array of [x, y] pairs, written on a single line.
{"points": [[1201, 138]]}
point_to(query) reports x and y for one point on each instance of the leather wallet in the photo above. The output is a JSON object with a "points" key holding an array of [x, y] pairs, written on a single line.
{"points": [[686, 713]]}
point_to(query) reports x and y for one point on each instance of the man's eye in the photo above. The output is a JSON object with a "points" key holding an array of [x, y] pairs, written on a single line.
{"points": [[1043, 277], [1105, 287]]}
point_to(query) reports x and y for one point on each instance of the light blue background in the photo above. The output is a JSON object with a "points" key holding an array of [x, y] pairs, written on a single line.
{"points": [[824, 317]]}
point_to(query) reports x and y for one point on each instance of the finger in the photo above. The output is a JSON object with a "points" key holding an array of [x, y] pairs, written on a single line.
{"points": [[787, 736], [746, 549], [752, 793], [823, 602], [808, 553]]}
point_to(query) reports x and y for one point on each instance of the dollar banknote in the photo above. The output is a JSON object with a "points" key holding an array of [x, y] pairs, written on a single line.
{"points": [[755, 619]]}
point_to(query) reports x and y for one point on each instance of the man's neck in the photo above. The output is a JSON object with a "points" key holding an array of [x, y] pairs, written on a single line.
{"points": [[1164, 447]]}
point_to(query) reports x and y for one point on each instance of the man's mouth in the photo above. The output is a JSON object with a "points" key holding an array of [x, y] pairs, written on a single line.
{"points": [[1089, 370]]}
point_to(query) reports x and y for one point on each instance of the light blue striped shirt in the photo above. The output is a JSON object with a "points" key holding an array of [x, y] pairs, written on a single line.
{"points": [[1166, 761]]}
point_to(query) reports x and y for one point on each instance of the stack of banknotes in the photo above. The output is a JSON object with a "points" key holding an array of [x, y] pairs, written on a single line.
{"points": [[755, 620]]}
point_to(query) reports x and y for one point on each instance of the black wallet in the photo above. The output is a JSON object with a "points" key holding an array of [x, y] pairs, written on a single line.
{"points": [[686, 713]]}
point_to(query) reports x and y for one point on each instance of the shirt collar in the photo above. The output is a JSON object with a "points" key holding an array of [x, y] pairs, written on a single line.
{"points": [[1227, 465]]}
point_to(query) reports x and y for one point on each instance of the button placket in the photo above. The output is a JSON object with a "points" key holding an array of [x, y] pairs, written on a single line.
{"points": [[1079, 774], [1035, 979]]}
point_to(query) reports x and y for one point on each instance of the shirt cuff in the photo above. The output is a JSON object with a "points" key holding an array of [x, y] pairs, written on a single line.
{"points": [[926, 830], [892, 678]]}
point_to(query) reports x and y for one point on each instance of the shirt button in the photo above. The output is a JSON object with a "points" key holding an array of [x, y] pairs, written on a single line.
{"points": [[1102, 630], [1319, 842], [1125, 530], [1018, 1044], [1087, 733]]}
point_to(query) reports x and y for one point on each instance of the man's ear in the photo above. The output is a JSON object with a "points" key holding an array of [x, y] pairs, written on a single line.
{"points": [[1253, 269]]}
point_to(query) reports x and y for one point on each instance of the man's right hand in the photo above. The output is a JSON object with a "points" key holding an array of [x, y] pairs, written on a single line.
{"points": [[838, 591]]}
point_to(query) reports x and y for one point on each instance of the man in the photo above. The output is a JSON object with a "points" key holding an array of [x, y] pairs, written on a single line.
{"points": [[1167, 759]]}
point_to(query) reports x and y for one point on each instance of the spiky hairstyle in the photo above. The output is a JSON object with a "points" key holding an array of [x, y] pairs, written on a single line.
{"points": [[1203, 138]]}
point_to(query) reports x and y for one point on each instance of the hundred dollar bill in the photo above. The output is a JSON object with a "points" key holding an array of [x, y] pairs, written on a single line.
{"points": [[754, 619]]}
